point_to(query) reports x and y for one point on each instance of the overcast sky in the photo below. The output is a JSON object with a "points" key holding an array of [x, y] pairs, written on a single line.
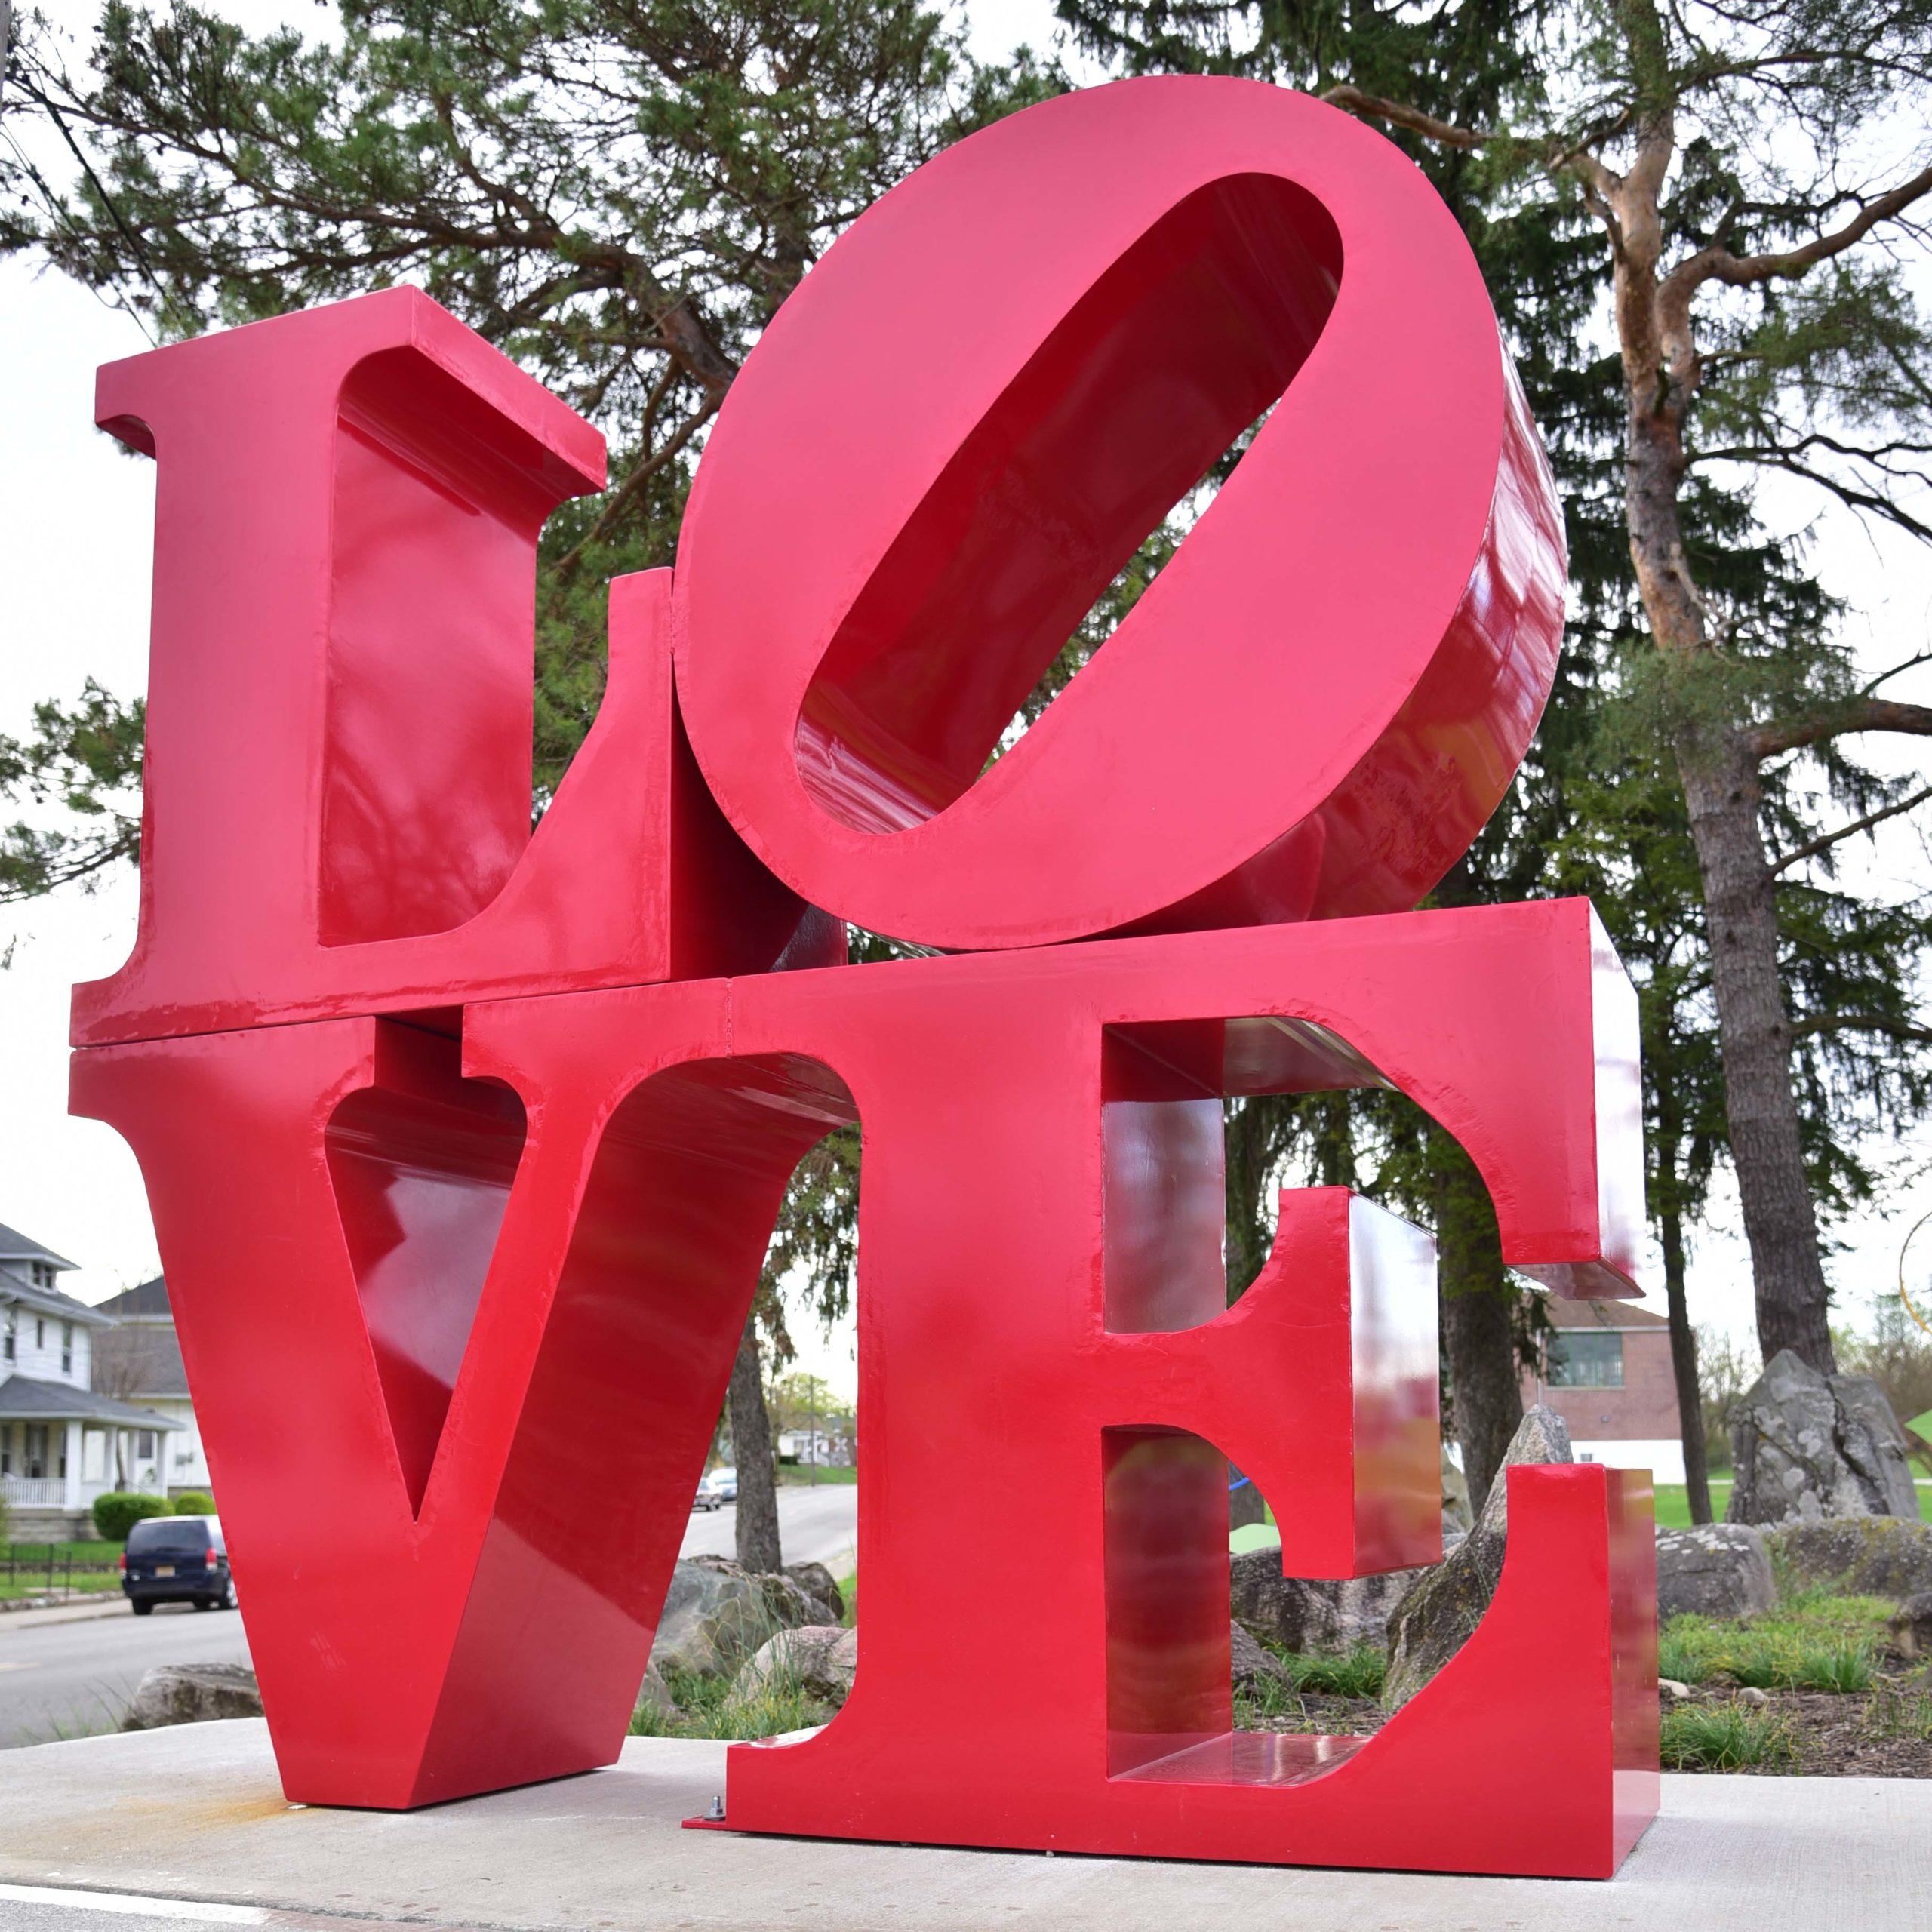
{"points": [[76, 552]]}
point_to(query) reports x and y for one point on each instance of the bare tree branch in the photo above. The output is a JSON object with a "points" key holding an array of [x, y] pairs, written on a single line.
{"points": [[1812, 847], [1717, 263], [1896, 671]]}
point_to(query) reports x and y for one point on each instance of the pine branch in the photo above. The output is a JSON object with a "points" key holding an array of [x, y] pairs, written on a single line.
{"points": [[627, 492], [1861, 1023], [1864, 714], [1374, 108]]}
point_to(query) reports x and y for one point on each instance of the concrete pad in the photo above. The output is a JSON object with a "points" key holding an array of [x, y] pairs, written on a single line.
{"points": [[195, 1814]]}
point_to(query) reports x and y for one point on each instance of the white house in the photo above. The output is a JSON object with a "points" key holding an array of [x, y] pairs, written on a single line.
{"points": [[62, 1442], [139, 1360]]}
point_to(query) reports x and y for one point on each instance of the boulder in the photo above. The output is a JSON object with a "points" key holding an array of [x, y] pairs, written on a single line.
{"points": [[1446, 1602], [716, 1614], [1252, 1667], [1911, 1626], [1457, 1514], [819, 1583], [1298, 1614], [1807, 1447], [1715, 1570], [193, 1694], [653, 1693], [1863, 1556], [820, 1659]]}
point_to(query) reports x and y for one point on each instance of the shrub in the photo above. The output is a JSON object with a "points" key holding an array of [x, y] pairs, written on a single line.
{"points": [[1843, 1667], [1721, 1737], [1358, 1673], [1755, 1661], [193, 1503], [117, 1511], [1682, 1657], [705, 1708], [1894, 1711]]}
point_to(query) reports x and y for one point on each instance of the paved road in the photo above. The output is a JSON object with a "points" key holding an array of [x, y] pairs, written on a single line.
{"points": [[817, 1524], [59, 1908], [64, 1679], [69, 1679]]}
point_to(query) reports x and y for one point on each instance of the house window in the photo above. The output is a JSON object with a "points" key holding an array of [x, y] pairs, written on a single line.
{"points": [[66, 1348], [1586, 1358], [9, 1335], [40, 1331], [144, 1442], [43, 1274], [36, 1455]]}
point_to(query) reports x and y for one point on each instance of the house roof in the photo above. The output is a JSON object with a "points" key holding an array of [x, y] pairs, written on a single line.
{"points": [[49, 1301], [22, 1399], [15, 1246], [1599, 1314], [149, 1300], [141, 1360]]}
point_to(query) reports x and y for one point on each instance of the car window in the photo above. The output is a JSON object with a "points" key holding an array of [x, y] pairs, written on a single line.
{"points": [[168, 1536]]}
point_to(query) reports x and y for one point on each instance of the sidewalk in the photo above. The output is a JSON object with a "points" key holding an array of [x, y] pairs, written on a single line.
{"points": [[100, 1603], [195, 1814]]}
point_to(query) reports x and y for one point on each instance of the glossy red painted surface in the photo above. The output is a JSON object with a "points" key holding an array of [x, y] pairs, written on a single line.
{"points": [[1319, 699], [338, 762], [464, 1147]]}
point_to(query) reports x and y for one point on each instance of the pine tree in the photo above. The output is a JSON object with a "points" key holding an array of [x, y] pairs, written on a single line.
{"points": [[617, 193], [1758, 325]]}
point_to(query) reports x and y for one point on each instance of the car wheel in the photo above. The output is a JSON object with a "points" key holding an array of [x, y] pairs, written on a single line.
{"points": [[141, 1609], [206, 1603], [227, 1601]]}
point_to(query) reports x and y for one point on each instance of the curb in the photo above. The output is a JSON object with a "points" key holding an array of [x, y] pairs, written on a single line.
{"points": [[53, 1610]]}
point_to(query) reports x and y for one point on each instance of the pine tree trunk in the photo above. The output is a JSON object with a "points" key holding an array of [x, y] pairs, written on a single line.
{"points": [[1754, 1030], [1662, 370], [1479, 1332], [751, 1450], [1478, 1321], [1667, 1204], [1683, 1366]]}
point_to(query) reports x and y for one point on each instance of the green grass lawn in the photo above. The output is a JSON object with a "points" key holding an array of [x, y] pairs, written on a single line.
{"points": [[1813, 1640], [23, 1568], [1673, 1502]]}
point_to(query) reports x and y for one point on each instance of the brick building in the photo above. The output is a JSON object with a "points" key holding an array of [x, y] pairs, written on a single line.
{"points": [[1607, 1372]]}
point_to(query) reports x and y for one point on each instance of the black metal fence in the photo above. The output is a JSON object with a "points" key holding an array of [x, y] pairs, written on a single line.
{"points": [[48, 1569]]}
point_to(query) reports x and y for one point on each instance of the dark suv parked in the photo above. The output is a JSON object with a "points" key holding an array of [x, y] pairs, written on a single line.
{"points": [[177, 1559]]}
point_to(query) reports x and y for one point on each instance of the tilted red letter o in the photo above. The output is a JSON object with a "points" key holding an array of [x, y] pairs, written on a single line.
{"points": [[973, 411]]}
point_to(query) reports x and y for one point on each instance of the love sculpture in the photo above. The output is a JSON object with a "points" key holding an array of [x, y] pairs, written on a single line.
{"points": [[464, 1143]]}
